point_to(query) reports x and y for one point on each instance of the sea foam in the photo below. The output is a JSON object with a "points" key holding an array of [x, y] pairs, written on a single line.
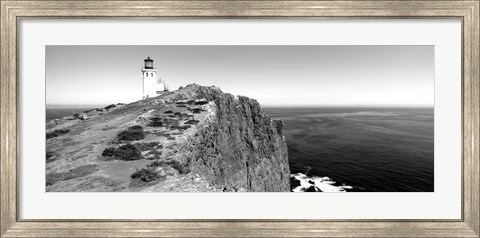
{"points": [[321, 184]]}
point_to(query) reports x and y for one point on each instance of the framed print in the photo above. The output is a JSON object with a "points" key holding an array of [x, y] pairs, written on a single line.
{"points": [[245, 118]]}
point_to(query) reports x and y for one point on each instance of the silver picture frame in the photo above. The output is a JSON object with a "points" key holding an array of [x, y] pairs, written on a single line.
{"points": [[468, 226]]}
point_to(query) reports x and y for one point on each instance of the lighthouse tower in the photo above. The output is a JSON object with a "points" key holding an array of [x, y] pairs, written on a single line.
{"points": [[152, 87]]}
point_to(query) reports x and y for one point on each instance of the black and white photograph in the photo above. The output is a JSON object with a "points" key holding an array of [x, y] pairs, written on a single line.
{"points": [[239, 118]]}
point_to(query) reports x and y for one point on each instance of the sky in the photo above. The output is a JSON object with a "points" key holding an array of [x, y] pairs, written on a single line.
{"points": [[273, 75]]}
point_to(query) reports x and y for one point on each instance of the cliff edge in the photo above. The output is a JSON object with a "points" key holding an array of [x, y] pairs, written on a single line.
{"points": [[193, 139]]}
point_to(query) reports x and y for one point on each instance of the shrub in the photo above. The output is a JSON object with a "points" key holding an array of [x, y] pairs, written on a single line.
{"points": [[196, 110], [132, 133], [146, 175], [136, 127], [156, 122], [110, 106], [128, 152], [182, 168], [109, 152], [192, 122], [124, 152], [156, 164], [57, 133], [148, 146], [50, 156], [179, 97]]}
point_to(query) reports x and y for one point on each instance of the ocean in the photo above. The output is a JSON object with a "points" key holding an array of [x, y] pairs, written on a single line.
{"points": [[54, 113], [361, 149]]}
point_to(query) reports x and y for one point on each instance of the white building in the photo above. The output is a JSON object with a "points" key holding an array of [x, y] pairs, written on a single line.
{"points": [[152, 86]]}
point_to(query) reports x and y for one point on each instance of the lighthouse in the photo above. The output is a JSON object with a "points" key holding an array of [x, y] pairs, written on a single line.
{"points": [[152, 86]]}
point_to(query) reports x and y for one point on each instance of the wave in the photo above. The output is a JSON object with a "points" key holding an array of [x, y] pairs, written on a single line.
{"points": [[315, 184]]}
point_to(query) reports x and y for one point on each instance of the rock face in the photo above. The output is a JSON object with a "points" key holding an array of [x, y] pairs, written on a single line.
{"points": [[193, 139], [242, 148]]}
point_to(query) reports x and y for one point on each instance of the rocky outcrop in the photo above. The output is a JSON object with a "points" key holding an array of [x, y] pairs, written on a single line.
{"points": [[241, 149], [193, 139]]}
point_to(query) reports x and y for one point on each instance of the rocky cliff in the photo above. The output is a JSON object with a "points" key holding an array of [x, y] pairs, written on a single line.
{"points": [[193, 139]]}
